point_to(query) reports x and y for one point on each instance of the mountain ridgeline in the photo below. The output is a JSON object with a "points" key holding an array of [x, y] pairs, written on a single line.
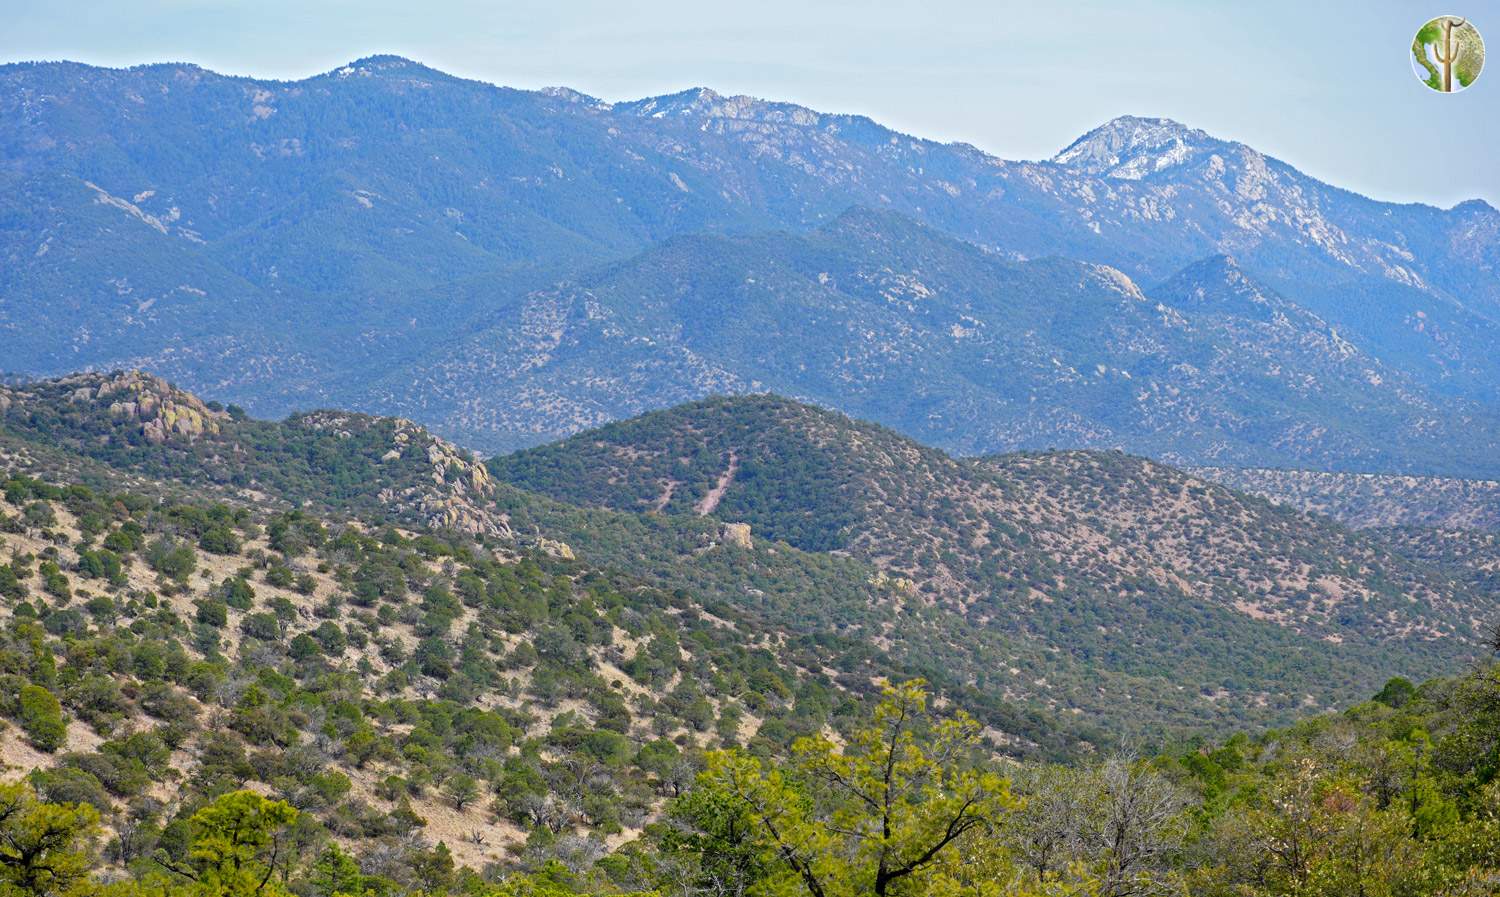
{"points": [[509, 267]]}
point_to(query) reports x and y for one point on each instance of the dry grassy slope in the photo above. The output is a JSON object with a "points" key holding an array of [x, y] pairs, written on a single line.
{"points": [[474, 834], [1090, 583], [1467, 554], [1372, 499], [1056, 590], [1112, 518]]}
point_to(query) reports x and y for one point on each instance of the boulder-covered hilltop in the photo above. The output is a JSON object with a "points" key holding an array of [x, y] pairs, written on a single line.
{"points": [[338, 461]]}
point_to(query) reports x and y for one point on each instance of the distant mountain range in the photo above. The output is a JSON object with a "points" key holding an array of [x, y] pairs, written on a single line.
{"points": [[510, 266]]}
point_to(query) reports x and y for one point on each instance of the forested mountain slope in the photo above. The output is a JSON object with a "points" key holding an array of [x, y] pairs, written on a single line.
{"points": [[402, 687], [1085, 566]]}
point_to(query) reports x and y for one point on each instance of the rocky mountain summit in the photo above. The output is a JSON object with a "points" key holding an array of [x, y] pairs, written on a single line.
{"points": [[157, 411], [454, 493], [1130, 147]]}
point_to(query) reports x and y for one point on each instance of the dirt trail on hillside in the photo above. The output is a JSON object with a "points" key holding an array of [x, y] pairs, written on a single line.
{"points": [[716, 494]]}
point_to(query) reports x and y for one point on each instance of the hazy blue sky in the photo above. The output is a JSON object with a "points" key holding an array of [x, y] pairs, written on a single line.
{"points": [[1324, 85]]}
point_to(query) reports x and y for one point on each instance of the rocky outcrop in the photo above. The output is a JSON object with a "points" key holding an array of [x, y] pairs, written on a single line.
{"points": [[461, 494], [163, 411], [556, 548], [737, 534], [391, 468], [159, 410], [433, 480], [882, 580]]}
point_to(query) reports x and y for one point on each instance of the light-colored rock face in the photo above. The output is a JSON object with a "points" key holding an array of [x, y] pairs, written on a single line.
{"points": [[163, 411], [455, 492], [1130, 147], [736, 534], [463, 488], [556, 548]]}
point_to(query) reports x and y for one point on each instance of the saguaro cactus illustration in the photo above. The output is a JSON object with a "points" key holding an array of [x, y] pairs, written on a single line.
{"points": [[1447, 52]]}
